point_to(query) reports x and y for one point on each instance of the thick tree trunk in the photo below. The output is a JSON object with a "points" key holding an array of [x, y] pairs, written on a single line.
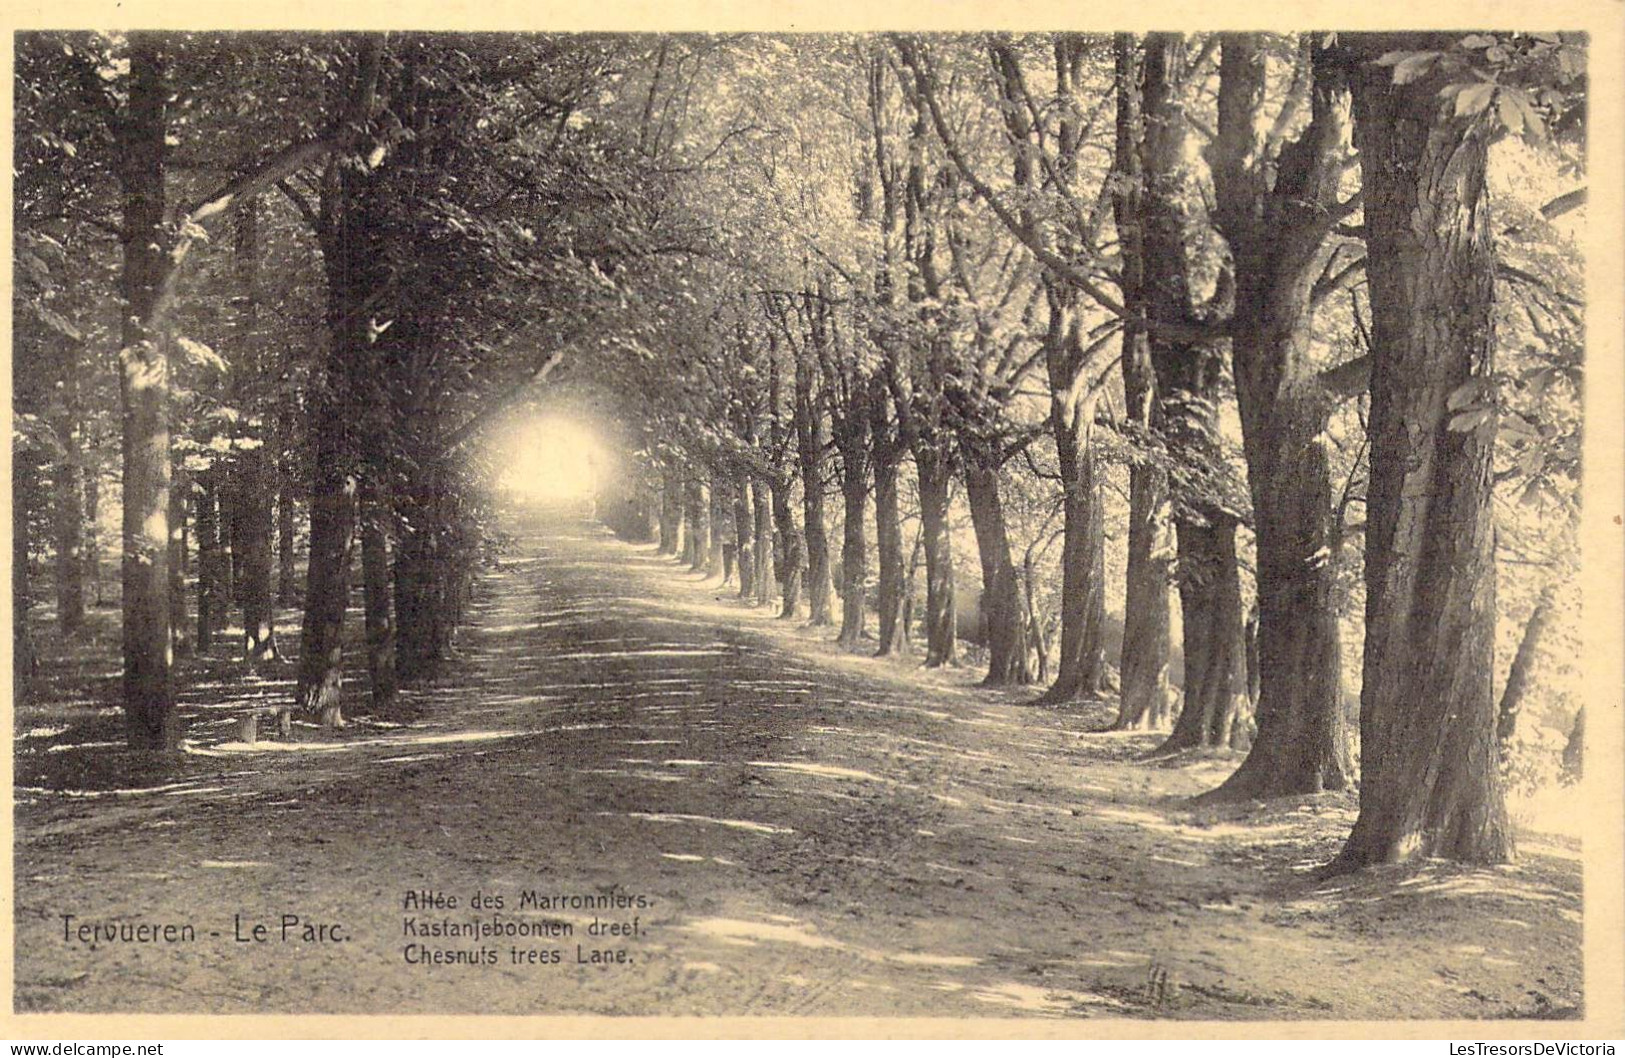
{"points": [[380, 623], [148, 690], [1189, 376], [332, 531], [1214, 644], [1082, 668], [1145, 697], [887, 454], [431, 575], [1523, 664], [1275, 231], [941, 616], [1430, 785], [1003, 612]]}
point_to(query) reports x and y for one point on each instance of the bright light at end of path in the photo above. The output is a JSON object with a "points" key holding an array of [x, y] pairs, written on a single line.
{"points": [[553, 458]]}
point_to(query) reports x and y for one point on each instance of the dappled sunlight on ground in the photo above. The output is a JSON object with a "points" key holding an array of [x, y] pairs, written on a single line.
{"points": [[819, 832]]}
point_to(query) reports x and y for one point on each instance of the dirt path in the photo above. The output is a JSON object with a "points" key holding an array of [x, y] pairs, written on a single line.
{"points": [[808, 833]]}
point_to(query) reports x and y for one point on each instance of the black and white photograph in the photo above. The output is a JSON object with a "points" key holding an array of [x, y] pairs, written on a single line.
{"points": [[1026, 524]]}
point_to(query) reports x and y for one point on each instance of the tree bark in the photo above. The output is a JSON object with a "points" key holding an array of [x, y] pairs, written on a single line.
{"points": [[1003, 613], [93, 533], [887, 450], [1430, 785], [809, 428], [380, 623], [148, 690], [1189, 376], [1145, 695], [699, 510], [1215, 664], [941, 616], [287, 578], [206, 519], [254, 513], [1275, 230], [24, 486], [671, 511], [1082, 666], [255, 492], [744, 533], [717, 520], [764, 501]]}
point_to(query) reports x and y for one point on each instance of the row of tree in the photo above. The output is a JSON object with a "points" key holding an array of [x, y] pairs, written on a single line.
{"points": [[1250, 284]]}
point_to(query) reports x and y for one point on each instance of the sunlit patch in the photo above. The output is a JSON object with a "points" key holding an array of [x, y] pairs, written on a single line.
{"points": [[233, 864], [732, 824], [828, 771], [744, 933], [552, 458]]}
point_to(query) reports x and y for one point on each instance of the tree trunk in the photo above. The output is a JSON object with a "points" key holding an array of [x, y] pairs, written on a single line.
{"points": [[24, 485], [1189, 378], [380, 624], [1523, 663], [180, 621], [1145, 697], [941, 618], [1430, 785], [795, 562], [1574, 749], [254, 505], [744, 533], [255, 492], [205, 518], [1275, 231], [887, 454], [698, 548], [148, 690], [93, 533], [1214, 643], [671, 511], [809, 427], [327, 587], [717, 520], [854, 555], [766, 570], [1082, 667], [1003, 614], [287, 578]]}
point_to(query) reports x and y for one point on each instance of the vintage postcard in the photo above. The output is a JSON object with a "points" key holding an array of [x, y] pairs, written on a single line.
{"points": [[740, 520]]}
